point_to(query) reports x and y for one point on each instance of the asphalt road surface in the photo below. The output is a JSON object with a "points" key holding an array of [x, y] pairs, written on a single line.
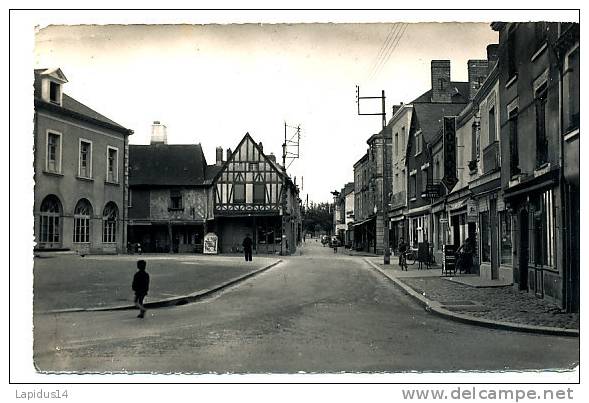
{"points": [[320, 312]]}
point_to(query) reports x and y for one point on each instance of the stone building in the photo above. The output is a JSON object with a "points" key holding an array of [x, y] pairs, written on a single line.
{"points": [[399, 127], [364, 215], [80, 177], [539, 121], [169, 197]]}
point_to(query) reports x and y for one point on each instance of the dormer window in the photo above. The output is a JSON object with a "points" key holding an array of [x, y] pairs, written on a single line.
{"points": [[52, 81], [55, 92]]}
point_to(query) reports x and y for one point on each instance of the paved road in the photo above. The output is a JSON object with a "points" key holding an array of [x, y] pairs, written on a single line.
{"points": [[320, 312]]}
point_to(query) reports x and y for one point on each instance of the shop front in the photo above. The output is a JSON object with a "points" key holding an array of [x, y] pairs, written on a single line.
{"points": [[365, 235]]}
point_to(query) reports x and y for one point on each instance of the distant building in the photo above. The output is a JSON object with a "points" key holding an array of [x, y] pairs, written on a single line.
{"points": [[364, 213], [80, 178]]}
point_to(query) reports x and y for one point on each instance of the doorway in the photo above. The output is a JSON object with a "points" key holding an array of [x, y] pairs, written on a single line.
{"points": [[523, 250]]}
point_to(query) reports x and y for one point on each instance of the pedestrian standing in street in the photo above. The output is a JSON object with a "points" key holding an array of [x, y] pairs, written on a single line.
{"points": [[247, 248], [140, 286], [402, 251]]}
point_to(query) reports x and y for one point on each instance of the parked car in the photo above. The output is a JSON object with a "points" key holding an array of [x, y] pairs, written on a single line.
{"points": [[334, 242], [324, 240]]}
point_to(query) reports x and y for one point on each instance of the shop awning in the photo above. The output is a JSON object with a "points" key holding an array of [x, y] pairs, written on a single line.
{"points": [[363, 222], [458, 207]]}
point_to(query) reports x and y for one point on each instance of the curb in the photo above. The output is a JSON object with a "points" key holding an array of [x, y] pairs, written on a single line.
{"points": [[174, 301], [435, 308]]}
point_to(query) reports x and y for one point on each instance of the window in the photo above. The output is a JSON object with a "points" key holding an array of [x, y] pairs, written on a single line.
{"points": [[239, 193], [82, 215], [541, 139], [175, 200], [418, 142], [541, 223], [130, 201], [424, 180], [396, 144], [513, 146], [50, 214], [485, 237], [259, 192], [253, 166], [53, 152], [85, 164], [505, 238], [109, 222], [511, 63], [571, 92], [492, 130], [476, 140], [112, 164], [413, 186], [54, 92], [540, 31]]}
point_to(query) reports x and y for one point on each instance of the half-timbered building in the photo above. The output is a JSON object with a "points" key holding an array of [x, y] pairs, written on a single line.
{"points": [[254, 195]]}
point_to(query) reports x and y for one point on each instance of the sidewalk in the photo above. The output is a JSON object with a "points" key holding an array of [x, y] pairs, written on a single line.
{"points": [[466, 299], [103, 282]]}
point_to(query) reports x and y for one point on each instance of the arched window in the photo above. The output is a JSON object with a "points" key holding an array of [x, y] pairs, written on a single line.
{"points": [[110, 214], [82, 214], [50, 229]]}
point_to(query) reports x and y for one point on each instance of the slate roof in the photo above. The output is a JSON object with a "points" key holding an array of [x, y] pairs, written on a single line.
{"points": [[72, 105], [429, 117], [167, 165], [460, 90]]}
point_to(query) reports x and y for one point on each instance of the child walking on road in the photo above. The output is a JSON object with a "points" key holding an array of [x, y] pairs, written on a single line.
{"points": [[140, 286]]}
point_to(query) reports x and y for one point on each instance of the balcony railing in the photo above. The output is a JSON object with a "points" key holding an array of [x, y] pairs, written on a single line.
{"points": [[491, 157]]}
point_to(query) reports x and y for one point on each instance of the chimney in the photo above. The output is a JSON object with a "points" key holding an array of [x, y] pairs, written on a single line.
{"points": [[396, 108], [158, 133], [441, 81], [229, 154], [219, 156], [492, 55], [477, 72], [261, 146], [272, 157]]}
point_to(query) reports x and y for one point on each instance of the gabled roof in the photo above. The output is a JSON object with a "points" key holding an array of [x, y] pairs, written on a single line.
{"points": [[429, 117], [70, 105], [167, 165], [460, 90], [274, 164]]}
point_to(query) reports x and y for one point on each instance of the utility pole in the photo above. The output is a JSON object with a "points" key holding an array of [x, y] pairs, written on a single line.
{"points": [[290, 150], [384, 205]]}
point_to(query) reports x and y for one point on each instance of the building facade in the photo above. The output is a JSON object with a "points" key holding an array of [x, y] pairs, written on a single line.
{"points": [[533, 121], [253, 195], [80, 160], [399, 127], [169, 198]]}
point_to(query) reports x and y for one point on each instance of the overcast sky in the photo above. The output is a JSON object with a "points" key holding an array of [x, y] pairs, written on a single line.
{"points": [[211, 84]]}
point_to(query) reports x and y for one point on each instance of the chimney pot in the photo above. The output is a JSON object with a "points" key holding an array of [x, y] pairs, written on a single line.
{"points": [[159, 133], [477, 72], [229, 154], [219, 156]]}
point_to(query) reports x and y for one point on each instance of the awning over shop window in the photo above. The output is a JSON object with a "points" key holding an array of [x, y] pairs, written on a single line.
{"points": [[458, 207]]}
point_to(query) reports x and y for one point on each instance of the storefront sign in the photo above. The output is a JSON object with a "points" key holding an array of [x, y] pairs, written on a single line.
{"points": [[210, 244], [449, 148], [472, 211]]}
